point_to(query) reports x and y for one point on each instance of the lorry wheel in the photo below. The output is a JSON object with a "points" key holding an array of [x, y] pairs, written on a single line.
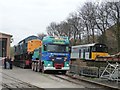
{"points": [[33, 66], [43, 71], [38, 67]]}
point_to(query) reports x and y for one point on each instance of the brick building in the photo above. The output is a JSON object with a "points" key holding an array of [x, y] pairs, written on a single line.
{"points": [[5, 40]]}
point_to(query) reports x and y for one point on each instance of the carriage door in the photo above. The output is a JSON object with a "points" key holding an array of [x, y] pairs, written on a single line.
{"points": [[86, 53], [83, 53], [79, 53]]}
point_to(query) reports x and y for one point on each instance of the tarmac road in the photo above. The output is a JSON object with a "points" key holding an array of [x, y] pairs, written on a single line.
{"points": [[26, 78], [38, 79]]}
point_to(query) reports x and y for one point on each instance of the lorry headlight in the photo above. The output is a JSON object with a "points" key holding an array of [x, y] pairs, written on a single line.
{"points": [[49, 65], [52, 59], [67, 65]]}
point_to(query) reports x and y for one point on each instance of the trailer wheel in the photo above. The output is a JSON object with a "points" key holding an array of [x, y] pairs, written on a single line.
{"points": [[43, 71], [38, 67], [33, 66]]}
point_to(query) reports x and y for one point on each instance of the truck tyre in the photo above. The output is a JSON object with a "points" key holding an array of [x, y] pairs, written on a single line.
{"points": [[43, 71], [38, 67], [33, 66]]}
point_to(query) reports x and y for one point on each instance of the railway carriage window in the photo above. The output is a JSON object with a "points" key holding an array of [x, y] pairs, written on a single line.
{"points": [[81, 50], [74, 50], [87, 50]]}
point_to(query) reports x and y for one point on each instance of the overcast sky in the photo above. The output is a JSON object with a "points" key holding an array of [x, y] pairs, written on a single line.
{"points": [[22, 18]]}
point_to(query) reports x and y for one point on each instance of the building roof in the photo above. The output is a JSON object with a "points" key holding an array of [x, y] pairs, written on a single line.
{"points": [[5, 34]]}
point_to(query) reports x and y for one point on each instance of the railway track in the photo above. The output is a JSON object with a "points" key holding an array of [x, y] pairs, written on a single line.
{"points": [[11, 83], [102, 85], [86, 83]]}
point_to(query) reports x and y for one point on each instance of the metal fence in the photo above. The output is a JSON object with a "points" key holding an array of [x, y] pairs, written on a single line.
{"points": [[84, 70], [92, 71], [89, 71], [111, 72]]}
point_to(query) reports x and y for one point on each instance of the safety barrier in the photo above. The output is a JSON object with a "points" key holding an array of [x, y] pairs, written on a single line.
{"points": [[84, 70], [95, 71], [111, 72], [89, 71]]}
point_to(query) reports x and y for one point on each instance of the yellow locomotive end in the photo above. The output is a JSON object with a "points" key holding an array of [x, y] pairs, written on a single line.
{"points": [[96, 54], [33, 44]]}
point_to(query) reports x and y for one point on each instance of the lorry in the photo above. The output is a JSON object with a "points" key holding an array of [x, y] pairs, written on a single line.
{"points": [[52, 55]]}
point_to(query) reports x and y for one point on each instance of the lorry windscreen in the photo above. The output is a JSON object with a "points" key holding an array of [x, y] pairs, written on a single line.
{"points": [[57, 48]]}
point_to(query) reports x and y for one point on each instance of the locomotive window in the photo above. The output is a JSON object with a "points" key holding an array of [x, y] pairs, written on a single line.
{"points": [[25, 44], [99, 49], [93, 49]]}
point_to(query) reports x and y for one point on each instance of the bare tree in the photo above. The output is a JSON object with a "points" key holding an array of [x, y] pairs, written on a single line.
{"points": [[62, 29], [115, 16], [102, 20], [66, 29], [87, 13], [51, 29], [41, 35], [89, 22], [76, 26]]}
